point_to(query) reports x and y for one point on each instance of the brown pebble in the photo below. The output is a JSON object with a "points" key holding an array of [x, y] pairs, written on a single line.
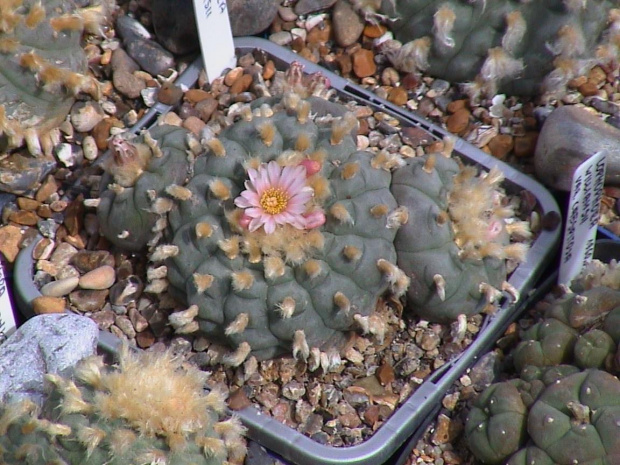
{"points": [[374, 31], [25, 203], [319, 34], [238, 400], [86, 300], [414, 136], [364, 63], [10, 239], [269, 70], [44, 211], [458, 122], [145, 339], [410, 81], [169, 94], [43, 305], [241, 85], [101, 131], [525, 145], [74, 216], [576, 82], [48, 187], [88, 260], [398, 96], [206, 108], [23, 217], [345, 64], [456, 105], [501, 145], [233, 75], [196, 95], [385, 374], [193, 124], [99, 278], [588, 89], [597, 75], [446, 430]]}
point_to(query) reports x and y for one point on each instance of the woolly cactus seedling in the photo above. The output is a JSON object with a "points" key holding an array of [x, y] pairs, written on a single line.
{"points": [[457, 240], [149, 410]]}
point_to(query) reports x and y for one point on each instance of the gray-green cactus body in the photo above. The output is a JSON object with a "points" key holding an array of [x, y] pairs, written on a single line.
{"points": [[263, 294], [444, 282], [139, 175], [496, 424], [547, 343], [519, 47], [577, 418], [94, 417], [43, 66]]}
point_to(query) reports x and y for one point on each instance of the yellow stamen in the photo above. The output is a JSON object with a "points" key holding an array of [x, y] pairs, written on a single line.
{"points": [[274, 200]]}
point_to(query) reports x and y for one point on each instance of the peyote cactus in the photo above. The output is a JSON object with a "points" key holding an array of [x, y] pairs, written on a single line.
{"points": [[574, 419], [149, 410], [43, 66], [518, 47], [282, 237], [457, 240], [566, 395]]}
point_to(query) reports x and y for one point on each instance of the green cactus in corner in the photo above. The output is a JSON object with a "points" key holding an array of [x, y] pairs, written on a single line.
{"points": [[147, 410], [43, 67], [517, 47], [574, 419], [456, 243], [281, 240]]}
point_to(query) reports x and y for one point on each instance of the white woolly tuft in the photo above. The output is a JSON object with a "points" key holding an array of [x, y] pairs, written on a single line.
{"points": [[443, 23]]}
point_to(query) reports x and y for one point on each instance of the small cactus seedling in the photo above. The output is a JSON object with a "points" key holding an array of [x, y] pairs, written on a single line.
{"points": [[148, 410], [457, 240], [43, 67], [134, 201], [518, 47], [281, 240]]}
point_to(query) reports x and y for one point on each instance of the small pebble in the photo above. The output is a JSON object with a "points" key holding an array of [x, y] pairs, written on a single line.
{"points": [[48, 304], [60, 287], [99, 278]]}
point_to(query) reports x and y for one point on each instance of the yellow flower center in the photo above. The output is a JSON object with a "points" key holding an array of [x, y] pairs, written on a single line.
{"points": [[274, 200]]}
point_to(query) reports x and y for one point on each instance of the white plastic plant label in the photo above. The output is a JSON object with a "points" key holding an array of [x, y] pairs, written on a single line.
{"points": [[215, 35], [7, 317], [582, 217]]}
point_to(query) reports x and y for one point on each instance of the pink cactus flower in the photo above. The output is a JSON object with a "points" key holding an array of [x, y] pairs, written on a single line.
{"points": [[276, 195]]}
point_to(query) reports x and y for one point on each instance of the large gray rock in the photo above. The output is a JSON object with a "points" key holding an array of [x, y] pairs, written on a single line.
{"points": [[570, 135], [175, 23], [44, 344]]}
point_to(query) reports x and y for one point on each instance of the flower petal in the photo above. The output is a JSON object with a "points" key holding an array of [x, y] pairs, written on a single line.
{"points": [[256, 223], [270, 224], [273, 173], [254, 212], [293, 178]]}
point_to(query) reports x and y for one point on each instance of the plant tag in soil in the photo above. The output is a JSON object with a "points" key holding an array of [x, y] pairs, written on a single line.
{"points": [[7, 317], [582, 217], [215, 35]]}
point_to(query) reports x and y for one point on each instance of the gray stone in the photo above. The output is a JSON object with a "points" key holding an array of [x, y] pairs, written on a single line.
{"points": [[152, 57], [570, 135], [44, 344], [23, 175], [303, 7], [348, 26], [175, 23]]}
